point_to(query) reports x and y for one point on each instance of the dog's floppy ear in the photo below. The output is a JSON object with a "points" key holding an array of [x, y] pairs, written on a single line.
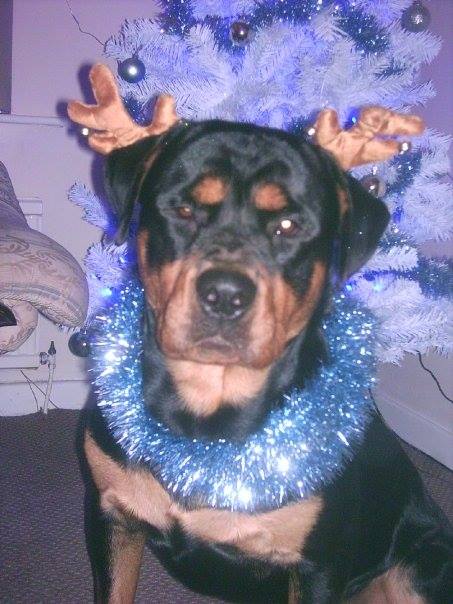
{"points": [[362, 218], [363, 221], [125, 170]]}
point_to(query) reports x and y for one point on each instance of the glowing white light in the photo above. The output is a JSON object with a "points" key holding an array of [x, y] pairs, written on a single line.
{"points": [[343, 438], [286, 224], [110, 355], [283, 465], [244, 495], [107, 371]]}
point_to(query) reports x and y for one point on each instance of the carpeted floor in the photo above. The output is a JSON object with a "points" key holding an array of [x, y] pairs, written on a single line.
{"points": [[42, 549]]}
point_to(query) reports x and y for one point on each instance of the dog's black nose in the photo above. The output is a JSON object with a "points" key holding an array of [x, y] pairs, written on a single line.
{"points": [[225, 294]]}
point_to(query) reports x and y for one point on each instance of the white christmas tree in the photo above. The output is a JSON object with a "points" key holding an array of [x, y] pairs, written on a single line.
{"points": [[278, 63]]}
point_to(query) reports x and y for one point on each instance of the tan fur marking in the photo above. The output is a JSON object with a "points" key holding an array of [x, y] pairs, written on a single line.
{"points": [[393, 587], [210, 190], [278, 536], [168, 290], [205, 388], [343, 201], [134, 491], [158, 284], [126, 551], [280, 315], [270, 197], [294, 588]]}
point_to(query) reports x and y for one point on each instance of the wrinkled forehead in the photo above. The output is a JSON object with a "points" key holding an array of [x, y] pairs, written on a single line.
{"points": [[245, 157]]}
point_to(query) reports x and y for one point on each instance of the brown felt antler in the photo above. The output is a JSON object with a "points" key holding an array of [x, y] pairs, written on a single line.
{"points": [[362, 144], [115, 128], [359, 145]]}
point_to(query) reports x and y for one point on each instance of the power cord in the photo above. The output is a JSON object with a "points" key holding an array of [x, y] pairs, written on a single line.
{"points": [[432, 374], [30, 382], [31, 389]]}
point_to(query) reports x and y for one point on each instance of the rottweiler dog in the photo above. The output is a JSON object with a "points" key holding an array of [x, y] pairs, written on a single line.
{"points": [[243, 234]]}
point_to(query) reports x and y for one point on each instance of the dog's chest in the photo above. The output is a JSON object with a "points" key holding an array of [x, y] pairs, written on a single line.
{"points": [[277, 536]]}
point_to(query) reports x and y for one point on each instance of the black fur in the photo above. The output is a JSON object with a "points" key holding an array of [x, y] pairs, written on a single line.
{"points": [[376, 514]]}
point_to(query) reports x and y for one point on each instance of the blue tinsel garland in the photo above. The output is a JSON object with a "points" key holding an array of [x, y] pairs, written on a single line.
{"points": [[302, 445]]}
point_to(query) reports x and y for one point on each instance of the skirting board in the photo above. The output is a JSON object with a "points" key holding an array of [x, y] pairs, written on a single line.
{"points": [[17, 398], [421, 432]]}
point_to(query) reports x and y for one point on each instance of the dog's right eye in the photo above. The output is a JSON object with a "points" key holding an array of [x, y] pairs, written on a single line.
{"points": [[185, 212]]}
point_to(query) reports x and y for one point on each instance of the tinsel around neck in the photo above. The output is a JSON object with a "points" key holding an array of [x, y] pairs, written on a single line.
{"points": [[302, 445]]}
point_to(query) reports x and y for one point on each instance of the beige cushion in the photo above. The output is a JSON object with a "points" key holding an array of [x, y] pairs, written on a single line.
{"points": [[11, 337], [37, 271]]}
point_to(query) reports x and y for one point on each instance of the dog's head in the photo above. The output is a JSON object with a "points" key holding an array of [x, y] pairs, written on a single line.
{"points": [[241, 230]]}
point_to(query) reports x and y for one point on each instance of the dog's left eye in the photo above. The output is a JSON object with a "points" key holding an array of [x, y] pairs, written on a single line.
{"points": [[287, 227], [185, 212]]}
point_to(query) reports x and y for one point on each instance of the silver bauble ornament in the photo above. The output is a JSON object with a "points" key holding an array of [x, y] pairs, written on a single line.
{"points": [[405, 147], [416, 18], [374, 185], [239, 33]]}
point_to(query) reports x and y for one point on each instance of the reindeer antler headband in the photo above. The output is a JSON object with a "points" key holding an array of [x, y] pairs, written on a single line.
{"points": [[361, 144], [117, 128]]}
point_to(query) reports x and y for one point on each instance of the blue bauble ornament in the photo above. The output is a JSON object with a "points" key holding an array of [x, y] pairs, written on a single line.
{"points": [[416, 18], [132, 70]]}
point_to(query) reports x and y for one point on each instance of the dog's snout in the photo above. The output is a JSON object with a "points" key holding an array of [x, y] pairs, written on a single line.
{"points": [[225, 294]]}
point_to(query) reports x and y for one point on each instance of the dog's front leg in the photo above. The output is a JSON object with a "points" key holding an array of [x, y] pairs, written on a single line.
{"points": [[115, 549], [126, 550]]}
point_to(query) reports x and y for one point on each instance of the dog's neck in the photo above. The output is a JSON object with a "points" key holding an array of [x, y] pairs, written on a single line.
{"points": [[214, 401]]}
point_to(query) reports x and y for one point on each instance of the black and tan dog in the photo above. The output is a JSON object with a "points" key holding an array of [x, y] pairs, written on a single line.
{"points": [[242, 236]]}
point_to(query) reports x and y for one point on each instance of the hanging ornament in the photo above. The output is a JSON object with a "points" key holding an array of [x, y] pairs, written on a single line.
{"points": [[374, 185], [132, 70], [405, 147], [79, 343], [239, 33], [416, 18]]}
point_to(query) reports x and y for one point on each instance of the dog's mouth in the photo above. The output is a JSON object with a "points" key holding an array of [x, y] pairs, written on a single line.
{"points": [[214, 349], [217, 344]]}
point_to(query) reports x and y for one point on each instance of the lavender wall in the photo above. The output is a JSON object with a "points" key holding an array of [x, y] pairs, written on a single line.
{"points": [[407, 395], [439, 112]]}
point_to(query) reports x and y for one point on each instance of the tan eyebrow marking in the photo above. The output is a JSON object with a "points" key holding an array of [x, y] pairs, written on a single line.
{"points": [[210, 190], [270, 197]]}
